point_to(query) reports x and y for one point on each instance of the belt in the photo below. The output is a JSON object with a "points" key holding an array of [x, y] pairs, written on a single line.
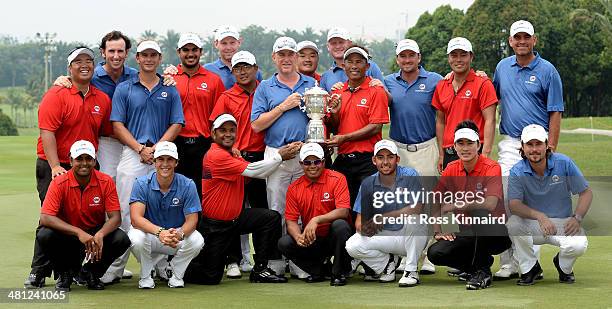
{"points": [[356, 155], [220, 222], [413, 147], [450, 150]]}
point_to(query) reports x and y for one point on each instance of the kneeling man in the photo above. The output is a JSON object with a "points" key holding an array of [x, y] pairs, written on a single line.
{"points": [[540, 192], [164, 209], [74, 225], [320, 198]]}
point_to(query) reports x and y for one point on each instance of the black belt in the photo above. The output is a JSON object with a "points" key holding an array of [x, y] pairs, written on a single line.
{"points": [[356, 155]]}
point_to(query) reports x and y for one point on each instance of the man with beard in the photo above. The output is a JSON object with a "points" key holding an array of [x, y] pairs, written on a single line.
{"points": [[540, 191]]}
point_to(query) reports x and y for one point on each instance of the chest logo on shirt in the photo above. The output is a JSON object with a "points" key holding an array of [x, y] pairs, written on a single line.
{"points": [[479, 186], [164, 94], [363, 103], [326, 197], [532, 78], [422, 86], [468, 93], [95, 201], [96, 110], [555, 178], [175, 201]]}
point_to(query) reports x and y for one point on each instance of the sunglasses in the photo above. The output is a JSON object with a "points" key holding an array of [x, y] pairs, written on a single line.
{"points": [[312, 162]]}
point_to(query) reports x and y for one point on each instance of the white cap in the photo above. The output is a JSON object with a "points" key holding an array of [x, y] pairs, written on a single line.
{"points": [[82, 147], [459, 43], [284, 43], [466, 133], [356, 50], [224, 31], [385, 144], [223, 118], [243, 56], [311, 149], [338, 33], [307, 44], [189, 38], [165, 149], [144, 45], [407, 44], [534, 131], [80, 50], [521, 26]]}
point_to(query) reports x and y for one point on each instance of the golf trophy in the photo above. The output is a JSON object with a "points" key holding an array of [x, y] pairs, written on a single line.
{"points": [[316, 105]]}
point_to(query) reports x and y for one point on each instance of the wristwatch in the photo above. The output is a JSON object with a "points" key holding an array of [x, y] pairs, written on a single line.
{"points": [[578, 217], [159, 232]]}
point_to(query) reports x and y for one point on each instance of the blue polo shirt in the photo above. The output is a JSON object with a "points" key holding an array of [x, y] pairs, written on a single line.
{"points": [[219, 68], [291, 126], [552, 193], [146, 114], [336, 74], [104, 82], [413, 118], [405, 177], [169, 209], [526, 94]]}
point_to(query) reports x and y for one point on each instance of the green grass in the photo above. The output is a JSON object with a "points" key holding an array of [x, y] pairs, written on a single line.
{"points": [[19, 209]]}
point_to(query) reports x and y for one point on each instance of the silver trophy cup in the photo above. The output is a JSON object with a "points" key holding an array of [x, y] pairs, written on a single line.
{"points": [[316, 105]]}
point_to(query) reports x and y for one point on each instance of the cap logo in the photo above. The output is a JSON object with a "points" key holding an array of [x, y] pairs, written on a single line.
{"points": [[164, 94], [532, 78], [175, 201], [363, 101], [96, 199], [422, 86], [468, 93]]}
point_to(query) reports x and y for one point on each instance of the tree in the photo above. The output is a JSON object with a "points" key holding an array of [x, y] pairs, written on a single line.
{"points": [[148, 35], [7, 127], [168, 44]]}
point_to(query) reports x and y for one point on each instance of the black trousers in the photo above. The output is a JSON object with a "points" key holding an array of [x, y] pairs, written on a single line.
{"points": [[265, 224], [310, 259], [469, 251], [67, 253], [255, 194], [40, 263], [355, 167], [191, 152]]}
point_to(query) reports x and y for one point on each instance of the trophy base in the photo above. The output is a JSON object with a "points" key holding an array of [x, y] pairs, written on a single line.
{"points": [[315, 140]]}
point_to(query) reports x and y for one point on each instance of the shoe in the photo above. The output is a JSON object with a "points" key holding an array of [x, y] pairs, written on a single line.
{"points": [[93, 282], [464, 276], [34, 281], [530, 277], [453, 272], [388, 273], [127, 274], [175, 282], [233, 271], [427, 268], [339, 280], [481, 279], [108, 279], [81, 278], [246, 266], [314, 279], [146, 283], [563, 277], [63, 282], [409, 279], [297, 272], [162, 274], [401, 266], [506, 272], [266, 275]]}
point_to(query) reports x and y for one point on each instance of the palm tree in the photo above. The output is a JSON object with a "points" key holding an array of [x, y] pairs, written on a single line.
{"points": [[168, 45], [601, 18], [148, 35]]}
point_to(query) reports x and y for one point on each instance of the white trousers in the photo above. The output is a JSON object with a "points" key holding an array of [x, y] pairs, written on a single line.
{"points": [[109, 155], [526, 232], [278, 182], [128, 169], [148, 249], [374, 251], [424, 160]]}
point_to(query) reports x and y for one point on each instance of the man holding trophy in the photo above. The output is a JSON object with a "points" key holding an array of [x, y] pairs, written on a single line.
{"points": [[357, 120]]}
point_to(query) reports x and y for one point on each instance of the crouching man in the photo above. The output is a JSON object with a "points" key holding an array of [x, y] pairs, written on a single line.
{"points": [[74, 225], [540, 192], [320, 198], [164, 209]]}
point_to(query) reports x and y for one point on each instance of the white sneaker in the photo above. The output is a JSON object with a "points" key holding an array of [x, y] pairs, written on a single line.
{"points": [[233, 271], [109, 278], [146, 283], [506, 271], [400, 267], [127, 274], [246, 266], [175, 282], [297, 272], [388, 274], [409, 279], [427, 268]]}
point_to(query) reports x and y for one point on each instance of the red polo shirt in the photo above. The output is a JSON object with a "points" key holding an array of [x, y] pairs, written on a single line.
{"points": [[308, 199], [86, 209], [71, 117], [198, 96], [316, 76], [366, 105], [222, 184], [476, 94], [485, 177], [237, 102]]}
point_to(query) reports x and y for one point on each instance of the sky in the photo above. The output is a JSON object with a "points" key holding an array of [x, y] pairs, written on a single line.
{"points": [[88, 20]]}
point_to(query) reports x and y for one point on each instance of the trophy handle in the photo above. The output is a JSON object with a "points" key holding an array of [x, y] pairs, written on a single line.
{"points": [[302, 103], [333, 96]]}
